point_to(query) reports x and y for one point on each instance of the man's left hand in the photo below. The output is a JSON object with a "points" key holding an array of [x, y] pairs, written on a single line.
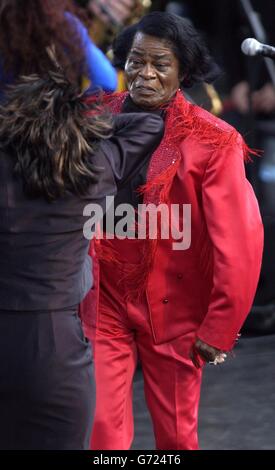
{"points": [[208, 353]]}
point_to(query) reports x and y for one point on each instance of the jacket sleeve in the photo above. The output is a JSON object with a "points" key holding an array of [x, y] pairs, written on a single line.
{"points": [[99, 69], [235, 229], [136, 136]]}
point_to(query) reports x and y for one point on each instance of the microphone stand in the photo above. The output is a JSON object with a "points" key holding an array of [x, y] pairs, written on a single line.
{"points": [[259, 33], [261, 315]]}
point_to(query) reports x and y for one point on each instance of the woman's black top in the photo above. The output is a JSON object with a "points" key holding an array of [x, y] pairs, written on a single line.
{"points": [[44, 262]]}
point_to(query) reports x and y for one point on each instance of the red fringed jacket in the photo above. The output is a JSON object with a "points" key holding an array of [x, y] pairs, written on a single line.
{"points": [[208, 288]]}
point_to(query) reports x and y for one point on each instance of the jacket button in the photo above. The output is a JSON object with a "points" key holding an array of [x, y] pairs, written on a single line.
{"points": [[165, 301], [179, 276]]}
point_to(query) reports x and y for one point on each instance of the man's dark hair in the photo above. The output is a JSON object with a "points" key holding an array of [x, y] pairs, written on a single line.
{"points": [[196, 65]]}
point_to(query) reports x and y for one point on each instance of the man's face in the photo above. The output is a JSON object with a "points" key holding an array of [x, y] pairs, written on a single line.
{"points": [[152, 72]]}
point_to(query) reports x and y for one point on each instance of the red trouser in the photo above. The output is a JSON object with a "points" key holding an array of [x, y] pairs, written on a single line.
{"points": [[171, 382]]}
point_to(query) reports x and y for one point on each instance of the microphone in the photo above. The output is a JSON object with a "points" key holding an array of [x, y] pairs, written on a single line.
{"points": [[252, 47]]}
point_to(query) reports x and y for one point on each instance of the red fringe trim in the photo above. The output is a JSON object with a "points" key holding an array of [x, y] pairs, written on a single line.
{"points": [[248, 151], [182, 120]]}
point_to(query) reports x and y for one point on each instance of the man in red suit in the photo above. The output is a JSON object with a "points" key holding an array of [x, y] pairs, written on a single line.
{"points": [[173, 309]]}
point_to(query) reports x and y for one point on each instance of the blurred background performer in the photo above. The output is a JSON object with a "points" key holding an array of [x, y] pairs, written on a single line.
{"points": [[28, 28], [174, 309], [56, 156]]}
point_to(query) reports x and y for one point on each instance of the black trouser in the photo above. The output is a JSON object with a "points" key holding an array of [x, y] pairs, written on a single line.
{"points": [[47, 390]]}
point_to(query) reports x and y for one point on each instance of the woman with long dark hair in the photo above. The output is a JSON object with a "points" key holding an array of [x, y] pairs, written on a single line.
{"points": [[26, 30], [56, 156]]}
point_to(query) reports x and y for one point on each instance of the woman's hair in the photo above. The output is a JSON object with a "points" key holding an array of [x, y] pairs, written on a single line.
{"points": [[196, 65], [28, 27], [52, 134]]}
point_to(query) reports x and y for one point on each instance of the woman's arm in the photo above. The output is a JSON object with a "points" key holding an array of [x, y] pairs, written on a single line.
{"points": [[136, 136]]}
